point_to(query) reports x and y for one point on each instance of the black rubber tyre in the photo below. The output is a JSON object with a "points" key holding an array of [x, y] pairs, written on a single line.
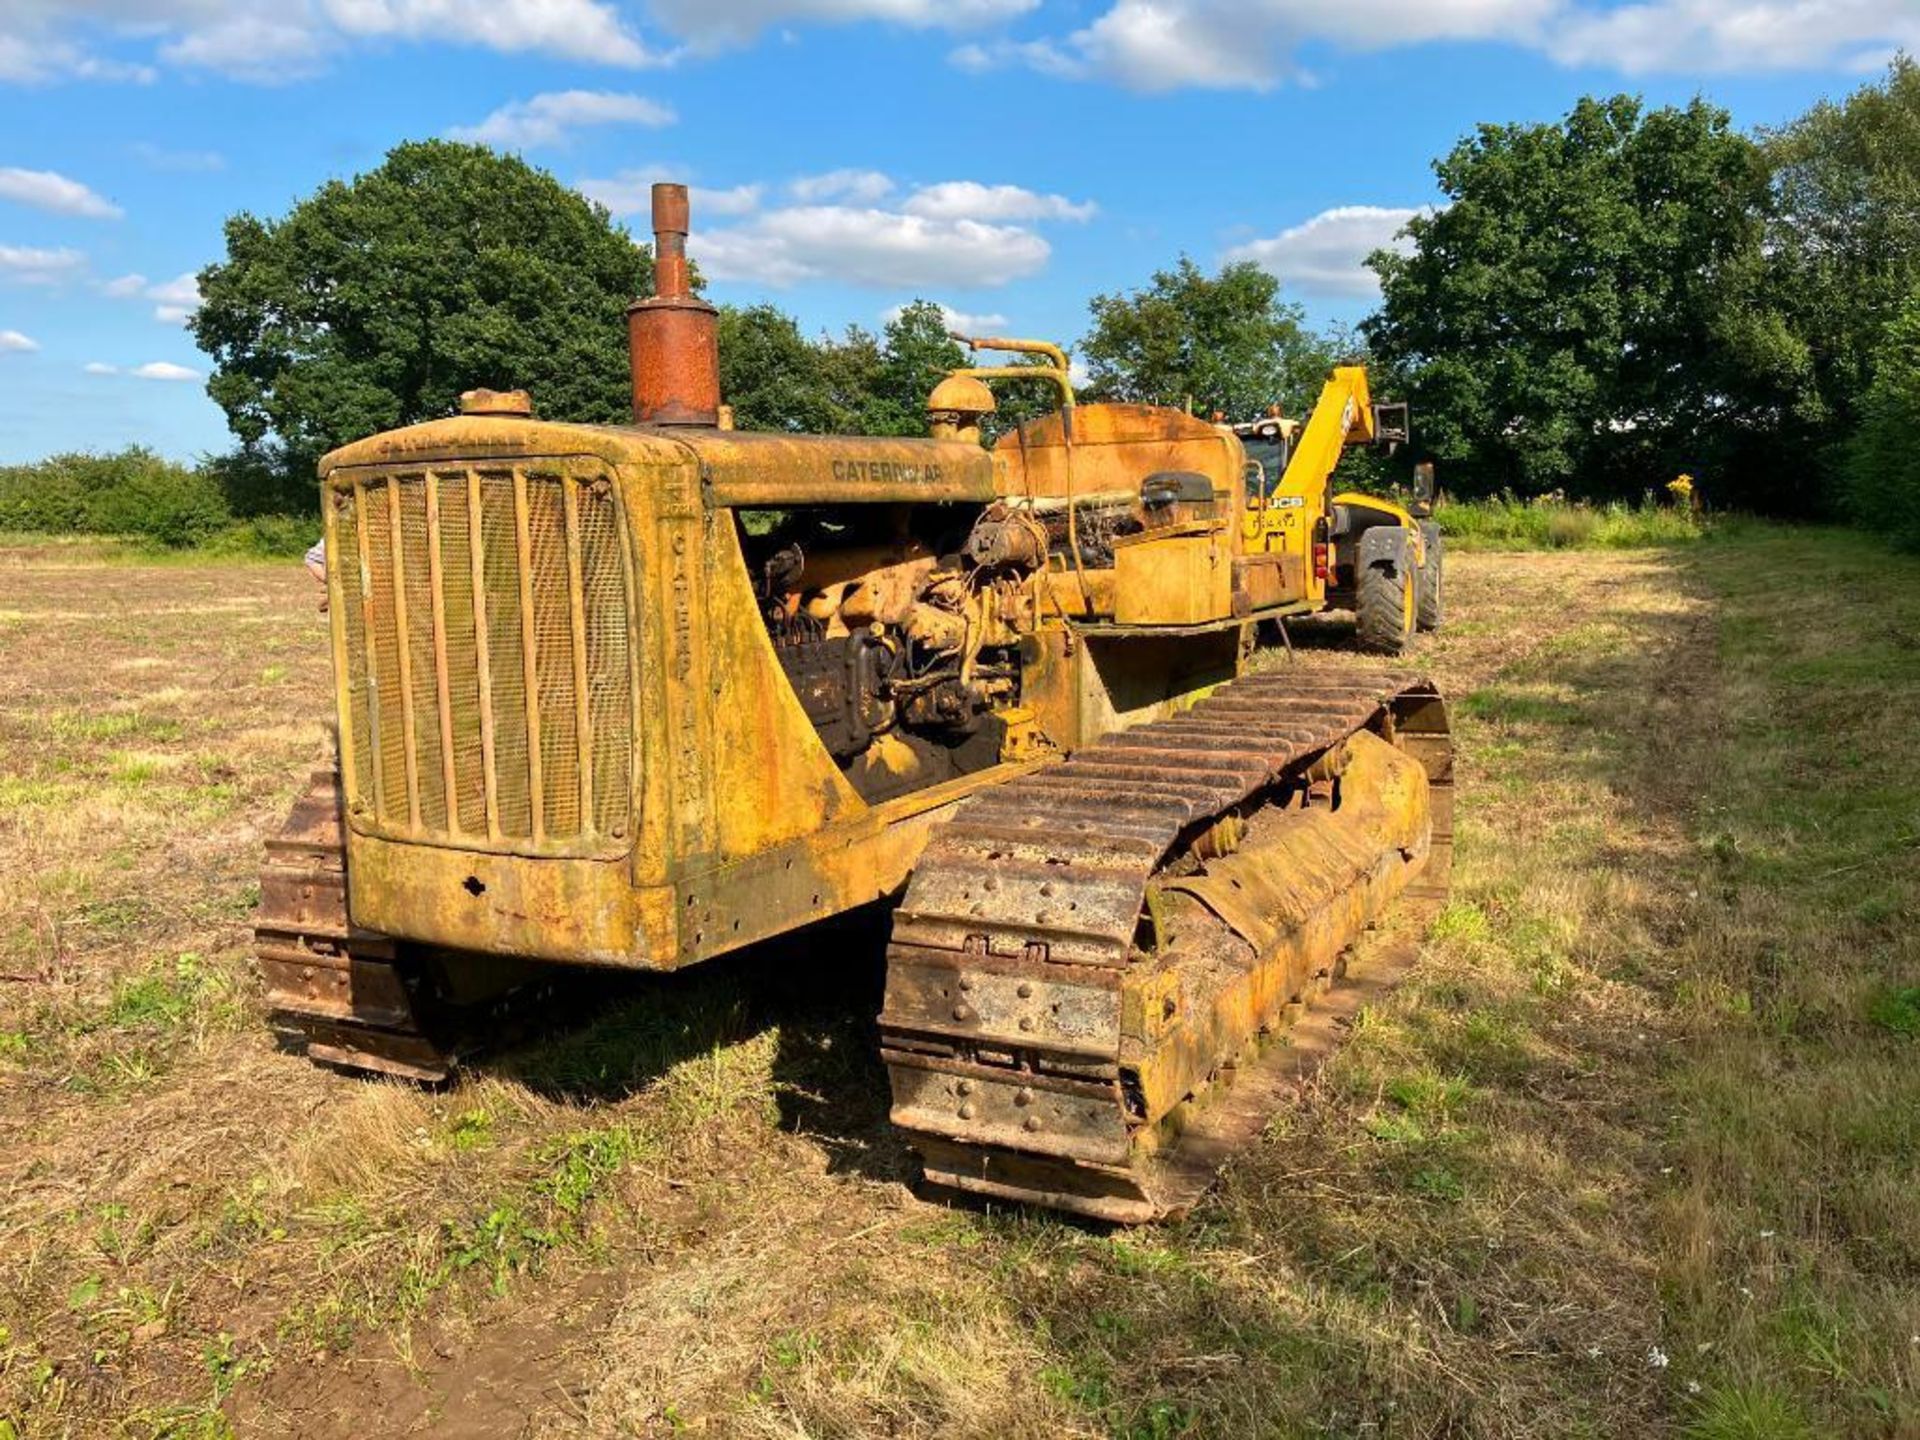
{"points": [[1384, 581], [1430, 608]]}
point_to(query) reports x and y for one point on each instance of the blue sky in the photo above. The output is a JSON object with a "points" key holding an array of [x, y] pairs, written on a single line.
{"points": [[1008, 158]]}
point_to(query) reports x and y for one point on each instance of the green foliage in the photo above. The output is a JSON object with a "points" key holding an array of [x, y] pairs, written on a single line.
{"points": [[1225, 342], [1757, 1412], [1882, 473], [1591, 308], [1897, 1010], [1505, 522], [130, 492], [916, 355], [777, 379], [1845, 232], [772, 374], [376, 301], [262, 480], [265, 537]]}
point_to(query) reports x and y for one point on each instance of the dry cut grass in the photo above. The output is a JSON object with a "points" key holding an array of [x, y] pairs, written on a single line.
{"points": [[1632, 1153]]}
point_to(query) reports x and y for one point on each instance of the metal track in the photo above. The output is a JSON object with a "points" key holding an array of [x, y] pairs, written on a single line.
{"points": [[1047, 1039], [335, 991], [358, 1000]]}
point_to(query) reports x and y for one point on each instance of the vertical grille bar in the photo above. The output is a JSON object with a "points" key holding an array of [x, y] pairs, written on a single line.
{"points": [[405, 656], [483, 660], [487, 664], [370, 623], [529, 664], [441, 684], [582, 699]]}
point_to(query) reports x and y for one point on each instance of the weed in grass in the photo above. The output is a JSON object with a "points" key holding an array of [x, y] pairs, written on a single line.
{"points": [[75, 729], [1427, 1093], [223, 1364], [1462, 920], [1896, 1009], [502, 1244], [1507, 523], [470, 1130], [1436, 1182], [1395, 1128], [1748, 1412]]}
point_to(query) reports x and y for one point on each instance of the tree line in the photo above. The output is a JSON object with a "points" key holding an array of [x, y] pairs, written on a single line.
{"points": [[1598, 304]]}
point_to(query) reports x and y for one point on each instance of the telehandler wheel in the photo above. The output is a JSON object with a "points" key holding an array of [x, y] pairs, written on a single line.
{"points": [[1430, 606], [1385, 604]]}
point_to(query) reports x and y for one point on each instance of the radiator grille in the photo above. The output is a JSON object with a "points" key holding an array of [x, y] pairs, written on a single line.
{"points": [[489, 680]]}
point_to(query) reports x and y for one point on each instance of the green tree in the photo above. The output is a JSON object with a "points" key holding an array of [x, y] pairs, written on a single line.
{"points": [[130, 492], [859, 384], [916, 354], [1882, 459], [1591, 308], [771, 374], [376, 301], [1225, 342], [1845, 235]]}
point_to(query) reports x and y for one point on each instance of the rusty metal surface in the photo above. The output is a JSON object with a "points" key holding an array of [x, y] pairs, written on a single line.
{"points": [[673, 335], [485, 636], [1044, 946], [333, 987], [740, 467], [350, 997]]}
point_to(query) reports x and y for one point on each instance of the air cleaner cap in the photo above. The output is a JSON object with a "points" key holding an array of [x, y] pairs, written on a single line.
{"points": [[496, 402]]}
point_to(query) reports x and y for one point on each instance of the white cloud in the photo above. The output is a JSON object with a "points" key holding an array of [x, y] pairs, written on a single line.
{"points": [[970, 200], [631, 193], [12, 342], [713, 23], [1745, 35], [549, 119], [175, 300], [1326, 255], [586, 30], [29, 265], [158, 157], [261, 46], [859, 187], [48, 190], [1159, 45], [1144, 44], [32, 51], [864, 246], [965, 322], [162, 370], [957, 234], [100, 367], [274, 41]]}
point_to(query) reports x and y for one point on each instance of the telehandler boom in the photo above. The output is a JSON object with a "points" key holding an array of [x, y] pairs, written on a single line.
{"points": [[637, 696]]}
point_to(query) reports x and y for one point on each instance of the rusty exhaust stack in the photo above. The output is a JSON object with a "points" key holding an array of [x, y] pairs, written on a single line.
{"points": [[672, 336]]}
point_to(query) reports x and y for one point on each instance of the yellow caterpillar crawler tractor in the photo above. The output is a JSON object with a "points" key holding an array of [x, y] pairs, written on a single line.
{"points": [[637, 696]]}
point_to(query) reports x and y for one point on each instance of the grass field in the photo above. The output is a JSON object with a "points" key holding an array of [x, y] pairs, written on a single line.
{"points": [[1635, 1152]]}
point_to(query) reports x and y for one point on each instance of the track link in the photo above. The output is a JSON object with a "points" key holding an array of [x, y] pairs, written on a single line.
{"points": [[1088, 958], [337, 992], [358, 1000]]}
